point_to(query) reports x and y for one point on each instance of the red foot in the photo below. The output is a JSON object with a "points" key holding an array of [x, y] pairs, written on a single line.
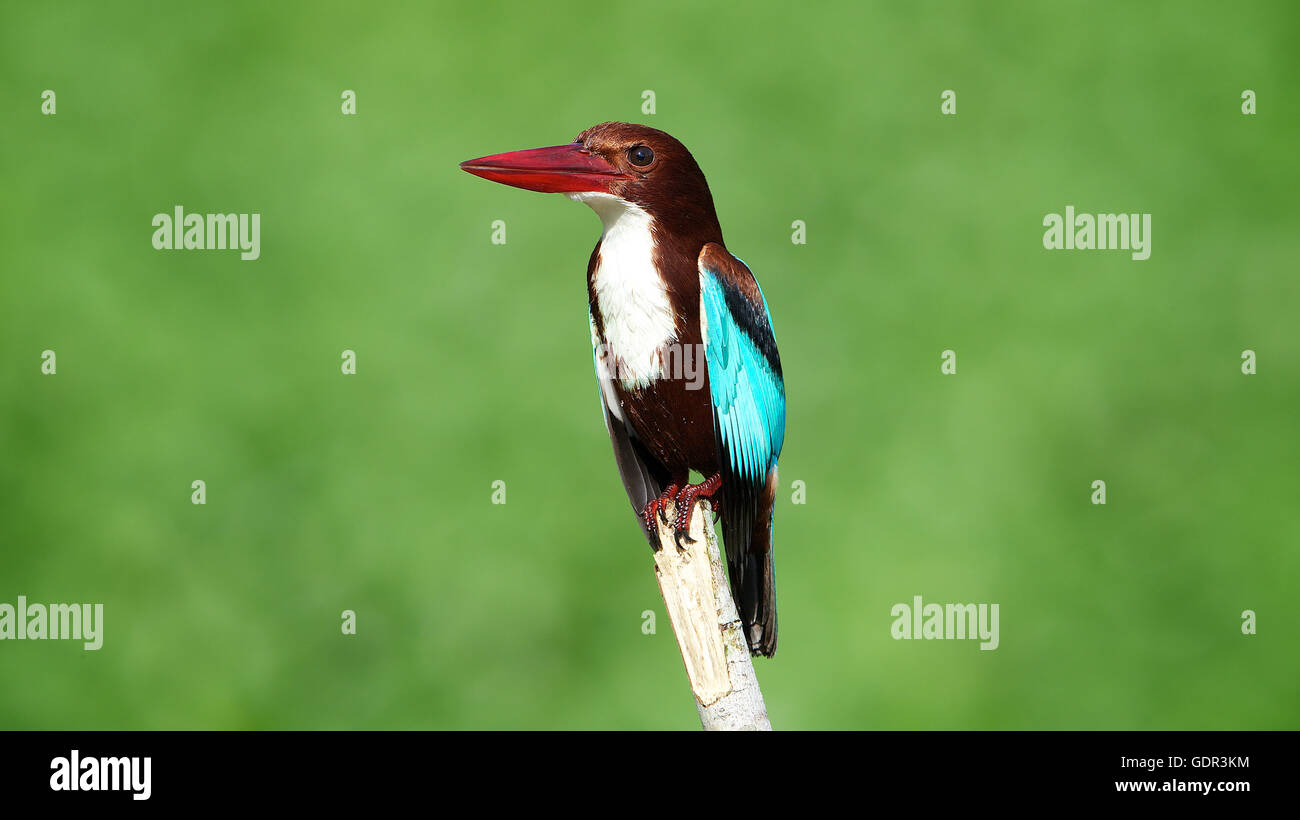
{"points": [[685, 503], [654, 512]]}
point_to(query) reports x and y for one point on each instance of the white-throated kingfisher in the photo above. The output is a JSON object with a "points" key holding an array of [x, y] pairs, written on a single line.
{"points": [[663, 288]]}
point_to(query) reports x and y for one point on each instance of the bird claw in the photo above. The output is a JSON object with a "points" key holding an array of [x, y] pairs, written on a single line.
{"points": [[656, 512], [681, 535], [683, 498], [685, 505]]}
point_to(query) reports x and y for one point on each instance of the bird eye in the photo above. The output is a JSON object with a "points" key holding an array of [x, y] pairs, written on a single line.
{"points": [[640, 155]]}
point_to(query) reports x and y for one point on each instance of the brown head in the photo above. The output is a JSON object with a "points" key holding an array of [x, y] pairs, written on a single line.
{"points": [[629, 163]]}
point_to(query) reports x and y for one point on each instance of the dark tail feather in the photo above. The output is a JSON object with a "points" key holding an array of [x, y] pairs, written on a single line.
{"points": [[748, 539], [757, 603]]}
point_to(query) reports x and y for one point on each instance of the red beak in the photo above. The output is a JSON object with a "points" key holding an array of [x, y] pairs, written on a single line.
{"points": [[556, 170]]}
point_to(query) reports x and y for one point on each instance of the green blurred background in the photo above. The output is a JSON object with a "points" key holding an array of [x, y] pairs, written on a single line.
{"points": [[373, 492]]}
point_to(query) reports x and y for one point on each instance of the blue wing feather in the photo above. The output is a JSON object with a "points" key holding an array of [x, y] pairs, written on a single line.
{"points": [[747, 392]]}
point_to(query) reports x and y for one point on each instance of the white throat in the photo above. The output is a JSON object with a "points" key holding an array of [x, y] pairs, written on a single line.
{"points": [[634, 309]]}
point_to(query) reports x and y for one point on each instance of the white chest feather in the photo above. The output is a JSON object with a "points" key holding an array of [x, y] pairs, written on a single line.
{"points": [[634, 309]]}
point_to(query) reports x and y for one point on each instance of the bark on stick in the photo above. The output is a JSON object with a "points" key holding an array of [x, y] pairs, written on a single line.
{"points": [[709, 633]]}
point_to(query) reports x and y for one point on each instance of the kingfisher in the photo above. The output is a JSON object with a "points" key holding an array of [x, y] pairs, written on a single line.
{"points": [[664, 293]]}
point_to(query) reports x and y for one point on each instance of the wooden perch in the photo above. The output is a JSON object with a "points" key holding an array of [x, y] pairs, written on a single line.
{"points": [[709, 632]]}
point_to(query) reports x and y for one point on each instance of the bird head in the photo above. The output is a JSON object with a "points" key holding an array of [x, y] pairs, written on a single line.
{"points": [[612, 166]]}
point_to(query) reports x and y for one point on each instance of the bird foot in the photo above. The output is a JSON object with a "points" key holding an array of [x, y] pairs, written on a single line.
{"points": [[685, 505], [656, 512]]}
